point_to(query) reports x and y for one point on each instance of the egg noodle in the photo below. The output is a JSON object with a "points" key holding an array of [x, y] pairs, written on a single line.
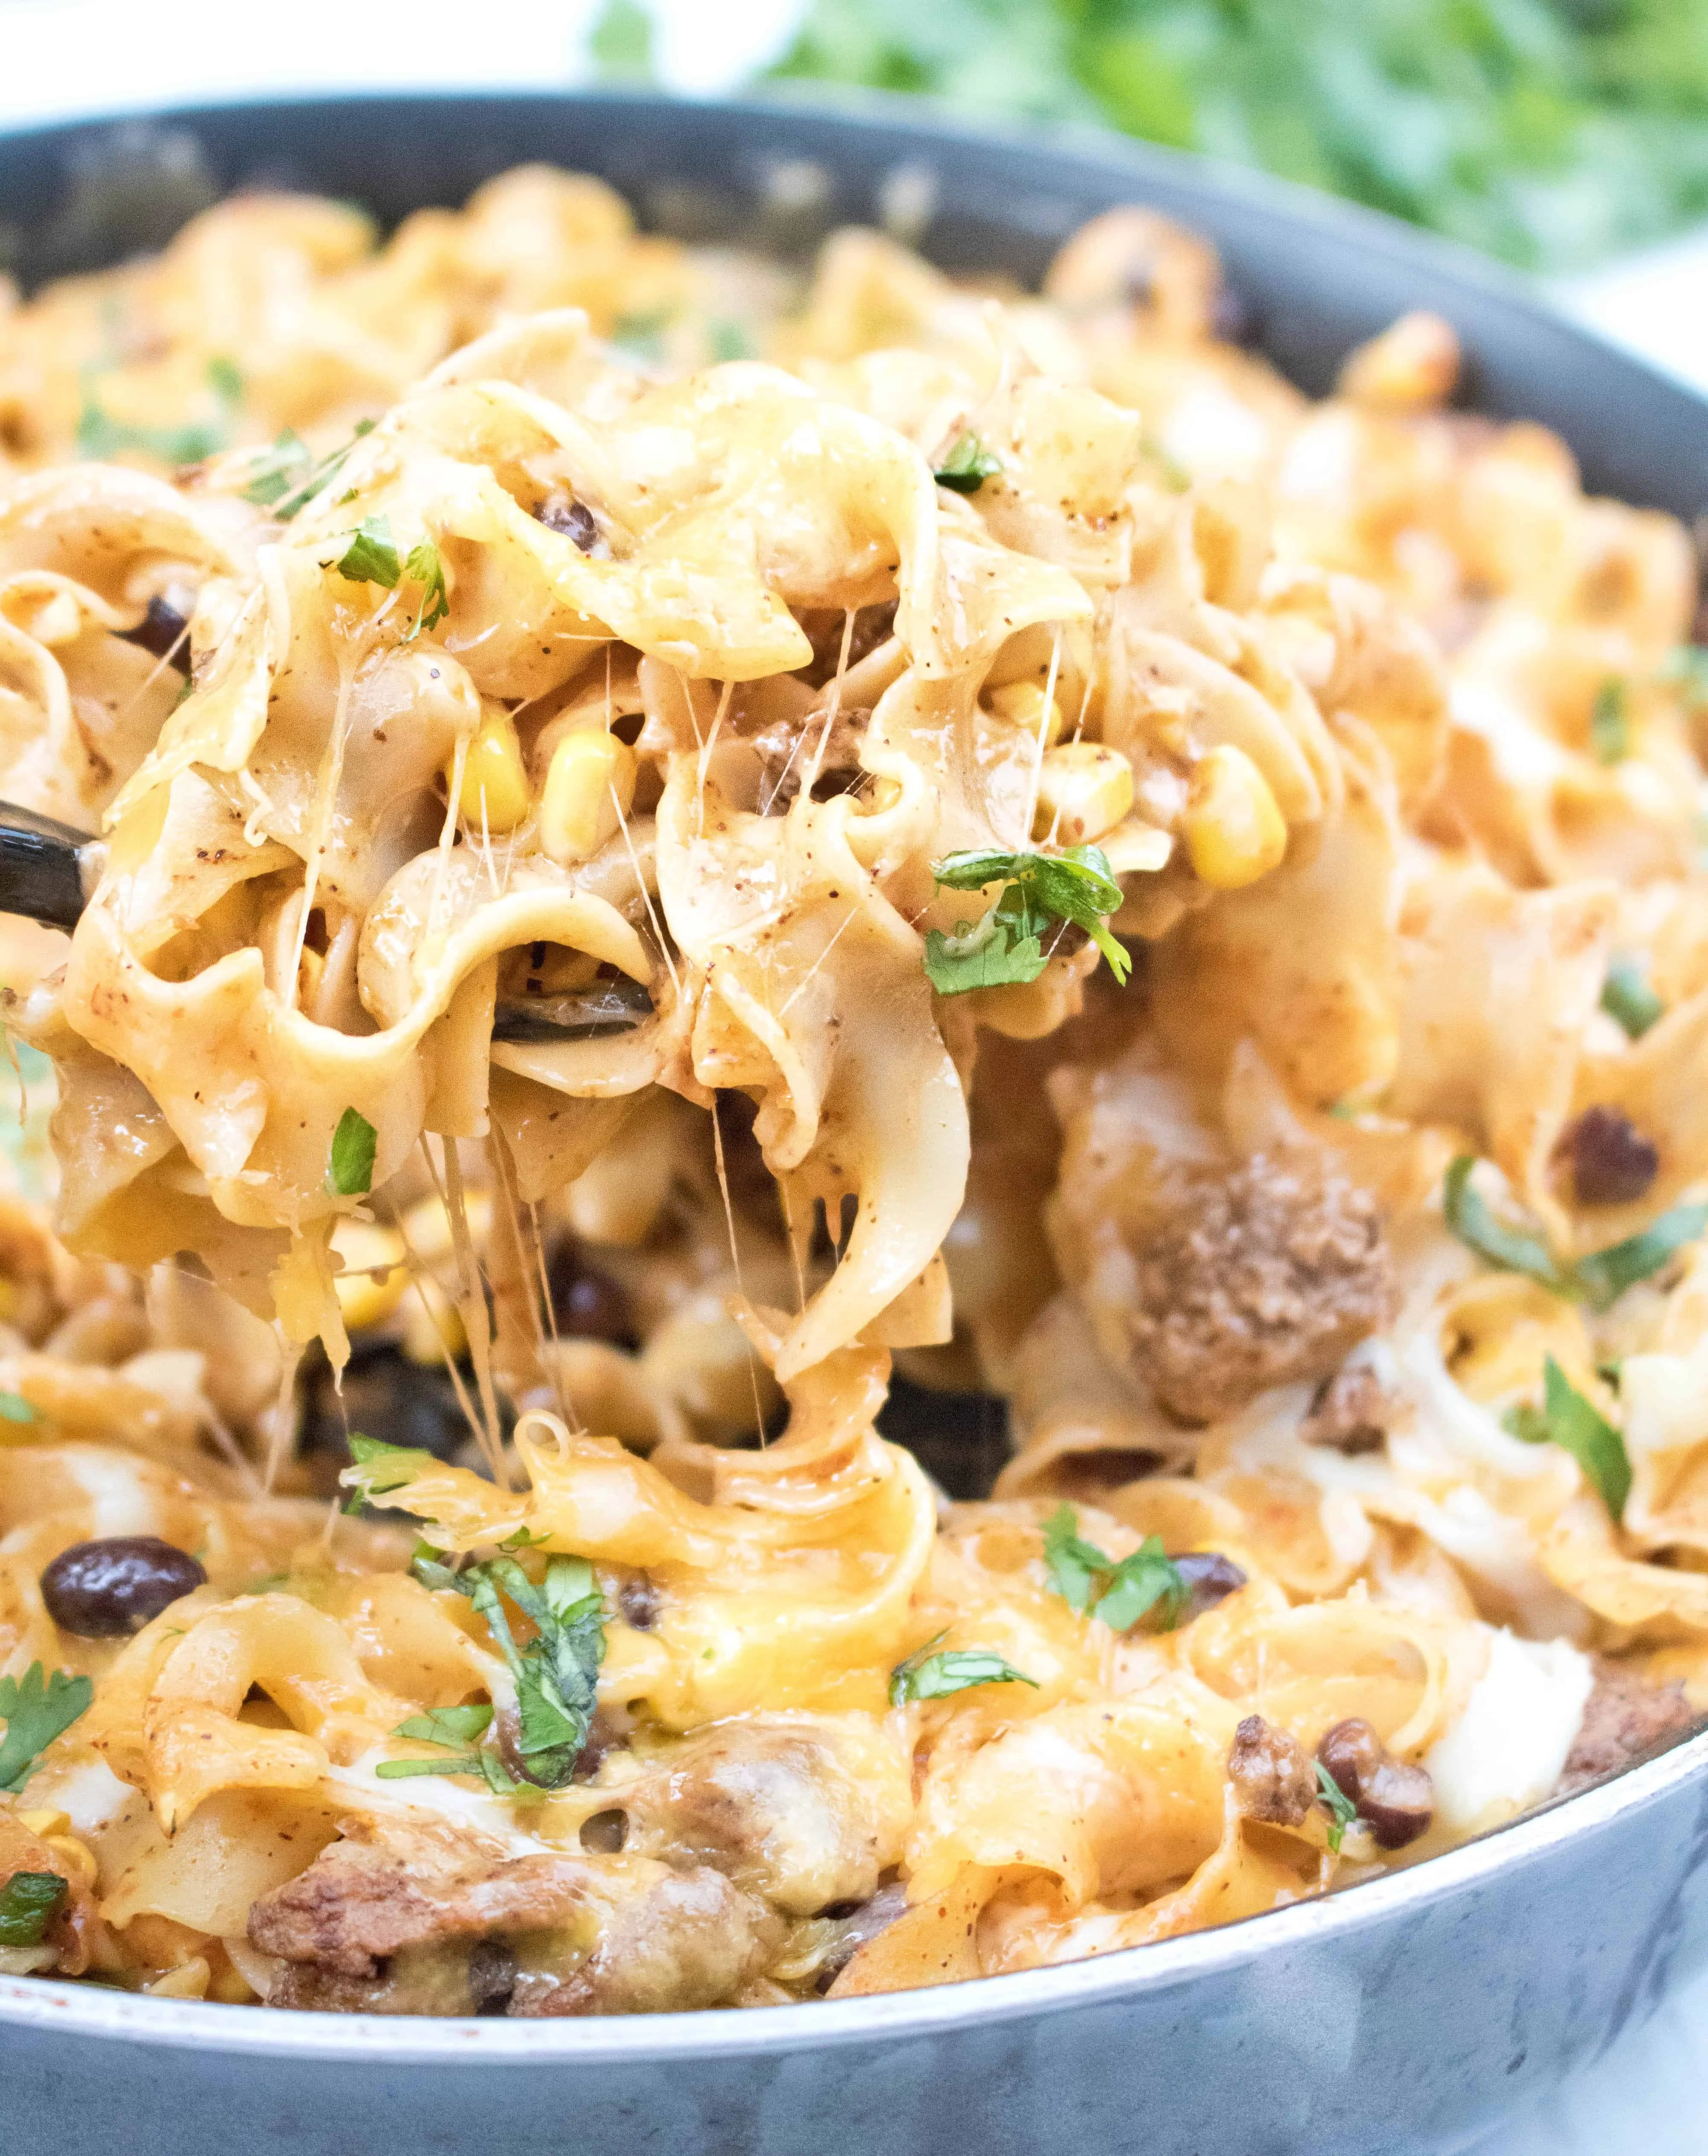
{"points": [[677, 845]]}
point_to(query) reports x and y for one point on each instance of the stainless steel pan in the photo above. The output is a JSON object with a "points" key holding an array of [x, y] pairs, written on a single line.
{"points": [[1398, 2018]]}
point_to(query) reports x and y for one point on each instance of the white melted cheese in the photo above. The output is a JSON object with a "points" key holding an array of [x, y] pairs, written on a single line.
{"points": [[120, 1502], [436, 1798], [90, 1795], [1507, 1749]]}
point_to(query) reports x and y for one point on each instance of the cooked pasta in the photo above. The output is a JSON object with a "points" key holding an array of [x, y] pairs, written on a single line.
{"points": [[676, 850]]}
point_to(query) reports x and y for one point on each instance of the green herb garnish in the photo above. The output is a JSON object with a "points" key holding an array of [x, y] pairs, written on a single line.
{"points": [[99, 435], [1343, 1812], [642, 336], [1120, 1591], [37, 1708], [1566, 1419], [1610, 723], [1599, 1279], [556, 1674], [968, 465], [377, 1468], [287, 477], [426, 567], [447, 1725], [14, 1408], [451, 1726], [1627, 996], [927, 1675], [1686, 665], [1510, 1249], [1605, 1275], [729, 341], [1039, 891], [372, 557], [350, 1167], [29, 1902]]}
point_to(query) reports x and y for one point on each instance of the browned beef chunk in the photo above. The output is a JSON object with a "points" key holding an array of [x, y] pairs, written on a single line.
{"points": [[1273, 1778], [1270, 1274], [363, 1900], [775, 1807], [1350, 1413], [429, 1920], [689, 1940], [1624, 1718]]}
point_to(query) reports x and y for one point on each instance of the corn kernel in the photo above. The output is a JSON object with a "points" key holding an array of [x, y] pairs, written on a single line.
{"points": [[1024, 704], [1234, 832], [375, 1274], [588, 790], [495, 780], [1083, 791], [45, 1823], [74, 1859]]}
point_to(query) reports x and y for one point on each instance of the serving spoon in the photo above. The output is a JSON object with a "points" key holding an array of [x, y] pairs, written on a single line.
{"points": [[46, 869]]}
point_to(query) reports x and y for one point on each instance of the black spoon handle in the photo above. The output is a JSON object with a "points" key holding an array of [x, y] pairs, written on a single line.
{"points": [[41, 867]]}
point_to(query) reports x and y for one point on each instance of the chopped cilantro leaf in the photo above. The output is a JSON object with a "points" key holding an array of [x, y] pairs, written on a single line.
{"points": [[1470, 1220], [1627, 996], [729, 341], [30, 1900], [992, 953], [1039, 891], [1566, 1419], [642, 336], [1343, 1812], [1605, 1275], [968, 465], [99, 435], [278, 471], [349, 1167], [928, 1675], [487, 1765], [372, 557], [426, 567], [1120, 1591], [556, 1674], [378, 1468], [37, 1708], [1599, 1279], [1610, 723], [288, 476], [447, 1725], [1687, 665]]}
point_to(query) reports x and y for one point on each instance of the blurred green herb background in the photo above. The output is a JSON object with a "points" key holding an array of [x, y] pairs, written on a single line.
{"points": [[1552, 132]]}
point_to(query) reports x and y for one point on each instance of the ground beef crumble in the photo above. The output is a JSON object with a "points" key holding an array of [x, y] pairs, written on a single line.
{"points": [[1267, 1277]]}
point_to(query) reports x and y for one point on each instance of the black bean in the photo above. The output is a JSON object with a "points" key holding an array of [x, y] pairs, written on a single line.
{"points": [[1613, 1163], [603, 1738], [107, 1590], [1210, 1578], [492, 1976], [640, 1603], [163, 632], [587, 1304], [562, 513], [1396, 1801]]}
